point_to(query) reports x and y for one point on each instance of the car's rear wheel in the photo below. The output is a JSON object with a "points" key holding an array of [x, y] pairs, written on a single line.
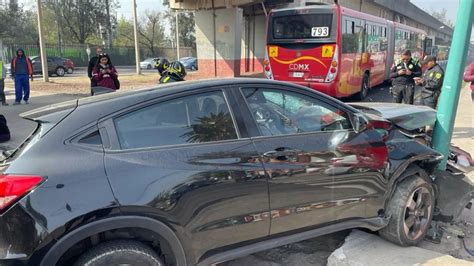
{"points": [[193, 68], [60, 71], [411, 210], [70, 70], [120, 252], [148, 67]]}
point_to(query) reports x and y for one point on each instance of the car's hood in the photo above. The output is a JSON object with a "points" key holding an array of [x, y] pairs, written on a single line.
{"points": [[408, 117]]}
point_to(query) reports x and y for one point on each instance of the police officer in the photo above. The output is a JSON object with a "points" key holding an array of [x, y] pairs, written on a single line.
{"points": [[402, 74], [431, 82]]}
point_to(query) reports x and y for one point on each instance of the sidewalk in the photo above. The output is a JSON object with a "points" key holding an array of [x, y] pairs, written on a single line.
{"points": [[464, 125]]}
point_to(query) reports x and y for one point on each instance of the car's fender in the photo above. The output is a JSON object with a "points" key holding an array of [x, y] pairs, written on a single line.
{"points": [[69, 240]]}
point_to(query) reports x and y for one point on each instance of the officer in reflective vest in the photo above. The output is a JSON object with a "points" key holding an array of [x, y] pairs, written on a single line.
{"points": [[402, 74], [431, 82]]}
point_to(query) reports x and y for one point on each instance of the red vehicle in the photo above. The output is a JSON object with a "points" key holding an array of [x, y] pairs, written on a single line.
{"points": [[335, 50]]}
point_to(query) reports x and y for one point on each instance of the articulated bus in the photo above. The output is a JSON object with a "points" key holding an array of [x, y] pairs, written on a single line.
{"points": [[335, 50]]}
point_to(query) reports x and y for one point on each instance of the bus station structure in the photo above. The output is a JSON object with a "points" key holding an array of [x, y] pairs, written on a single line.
{"points": [[231, 34]]}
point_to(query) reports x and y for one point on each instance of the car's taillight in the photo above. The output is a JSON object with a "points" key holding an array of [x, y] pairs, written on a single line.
{"points": [[13, 187]]}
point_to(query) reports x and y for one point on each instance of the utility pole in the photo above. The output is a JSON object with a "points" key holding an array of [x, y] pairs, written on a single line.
{"points": [[44, 61], [177, 36], [109, 25], [135, 33], [449, 99]]}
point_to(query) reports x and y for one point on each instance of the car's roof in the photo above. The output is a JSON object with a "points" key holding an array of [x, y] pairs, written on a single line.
{"points": [[178, 87]]}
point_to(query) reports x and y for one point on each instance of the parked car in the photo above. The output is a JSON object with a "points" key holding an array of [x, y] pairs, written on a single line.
{"points": [[194, 173], [148, 63], [68, 64], [56, 66], [189, 63]]}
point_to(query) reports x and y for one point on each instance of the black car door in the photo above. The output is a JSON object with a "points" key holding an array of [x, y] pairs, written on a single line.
{"points": [[183, 160], [319, 169]]}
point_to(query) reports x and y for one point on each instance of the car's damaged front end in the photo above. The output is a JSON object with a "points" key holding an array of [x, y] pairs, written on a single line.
{"points": [[415, 122]]}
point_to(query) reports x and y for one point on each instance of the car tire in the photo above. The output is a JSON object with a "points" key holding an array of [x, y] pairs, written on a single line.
{"points": [[193, 68], [410, 210], [120, 252], [60, 72], [364, 88], [70, 70], [148, 67]]}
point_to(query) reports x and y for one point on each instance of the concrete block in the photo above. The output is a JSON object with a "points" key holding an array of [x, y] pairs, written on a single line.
{"points": [[364, 249]]}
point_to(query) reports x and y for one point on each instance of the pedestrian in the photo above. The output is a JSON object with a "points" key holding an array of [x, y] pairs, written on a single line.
{"points": [[431, 82], [105, 74], [92, 64], [21, 70], [469, 77], [2, 83], [402, 74]]}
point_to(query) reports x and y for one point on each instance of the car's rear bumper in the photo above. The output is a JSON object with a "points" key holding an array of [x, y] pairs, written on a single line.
{"points": [[20, 237]]}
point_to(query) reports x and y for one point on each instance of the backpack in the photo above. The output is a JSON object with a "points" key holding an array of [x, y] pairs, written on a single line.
{"points": [[4, 130]]}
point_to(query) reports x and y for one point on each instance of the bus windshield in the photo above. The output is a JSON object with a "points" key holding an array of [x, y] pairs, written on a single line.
{"points": [[302, 26]]}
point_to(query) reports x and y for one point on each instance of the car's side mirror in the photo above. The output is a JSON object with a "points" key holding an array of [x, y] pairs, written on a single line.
{"points": [[360, 122]]}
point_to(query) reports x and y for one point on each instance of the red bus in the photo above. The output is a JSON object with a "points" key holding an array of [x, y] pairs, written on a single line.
{"points": [[335, 50]]}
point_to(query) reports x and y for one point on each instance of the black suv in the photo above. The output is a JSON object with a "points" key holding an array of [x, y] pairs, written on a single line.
{"points": [[204, 172]]}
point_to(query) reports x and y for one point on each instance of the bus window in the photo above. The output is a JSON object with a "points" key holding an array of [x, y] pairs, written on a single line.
{"points": [[349, 39]]}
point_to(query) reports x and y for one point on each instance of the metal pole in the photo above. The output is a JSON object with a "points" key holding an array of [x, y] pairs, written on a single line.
{"points": [[135, 33], [448, 101], [44, 61], [177, 37]]}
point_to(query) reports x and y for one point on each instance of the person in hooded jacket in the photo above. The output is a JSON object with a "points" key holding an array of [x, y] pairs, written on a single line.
{"points": [[104, 73], [21, 70]]}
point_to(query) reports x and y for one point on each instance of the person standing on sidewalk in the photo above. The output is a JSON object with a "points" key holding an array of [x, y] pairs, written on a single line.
{"points": [[469, 77], [431, 82], [2, 83], [402, 74], [22, 70], [92, 64]]}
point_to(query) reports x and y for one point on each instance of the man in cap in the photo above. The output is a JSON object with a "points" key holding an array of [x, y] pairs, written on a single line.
{"points": [[431, 82], [402, 75]]}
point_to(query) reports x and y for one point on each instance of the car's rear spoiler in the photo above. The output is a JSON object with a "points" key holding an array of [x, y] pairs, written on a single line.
{"points": [[50, 114]]}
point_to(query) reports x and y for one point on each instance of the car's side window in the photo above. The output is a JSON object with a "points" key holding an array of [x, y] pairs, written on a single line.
{"points": [[190, 119], [280, 112]]}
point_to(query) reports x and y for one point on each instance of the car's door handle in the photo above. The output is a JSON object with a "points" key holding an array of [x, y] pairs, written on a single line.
{"points": [[281, 152]]}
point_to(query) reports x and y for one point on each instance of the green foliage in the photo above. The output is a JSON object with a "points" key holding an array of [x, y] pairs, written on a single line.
{"points": [[17, 25], [186, 24]]}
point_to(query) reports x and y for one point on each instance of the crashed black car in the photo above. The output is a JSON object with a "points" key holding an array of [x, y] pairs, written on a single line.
{"points": [[204, 172]]}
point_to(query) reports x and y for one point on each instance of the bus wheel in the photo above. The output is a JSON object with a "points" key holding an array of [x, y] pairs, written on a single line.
{"points": [[364, 90]]}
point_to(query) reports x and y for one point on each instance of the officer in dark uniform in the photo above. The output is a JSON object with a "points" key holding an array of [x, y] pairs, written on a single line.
{"points": [[402, 74], [431, 82]]}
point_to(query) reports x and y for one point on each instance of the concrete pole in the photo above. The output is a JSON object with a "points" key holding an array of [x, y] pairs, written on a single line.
{"points": [[135, 33], [449, 99], [177, 37], [44, 61]]}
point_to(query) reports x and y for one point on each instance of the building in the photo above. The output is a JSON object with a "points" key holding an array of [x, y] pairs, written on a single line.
{"points": [[230, 34]]}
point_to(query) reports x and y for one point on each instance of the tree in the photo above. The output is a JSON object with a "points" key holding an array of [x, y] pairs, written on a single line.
{"points": [[17, 25], [82, 18], [187, 32], [441, 16], [151, 31], [124, 33]]}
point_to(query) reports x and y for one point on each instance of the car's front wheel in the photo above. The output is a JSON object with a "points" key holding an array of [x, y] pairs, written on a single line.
{"points": [[411, 210], [120, 252]]}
